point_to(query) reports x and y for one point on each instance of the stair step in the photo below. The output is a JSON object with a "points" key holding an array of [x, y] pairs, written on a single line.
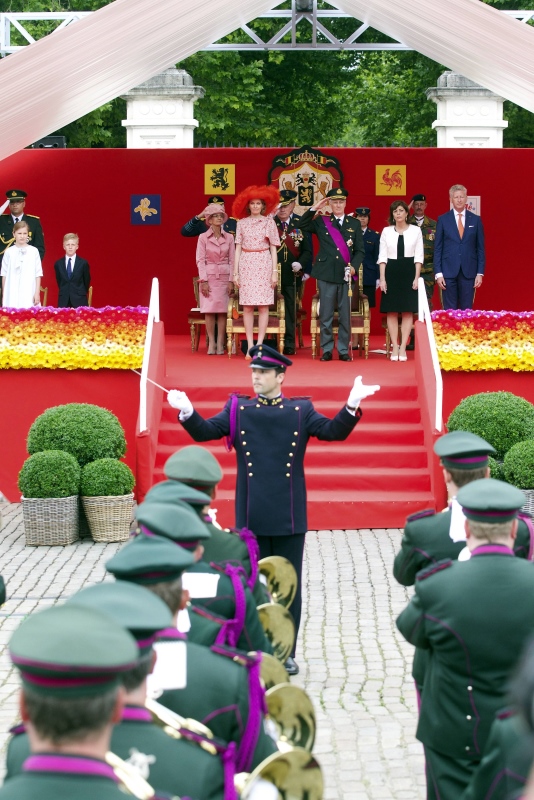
{"points": [[323, 390]]}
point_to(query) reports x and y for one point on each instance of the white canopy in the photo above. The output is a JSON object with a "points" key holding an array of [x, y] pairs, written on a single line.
{"points": [[75, 70]]}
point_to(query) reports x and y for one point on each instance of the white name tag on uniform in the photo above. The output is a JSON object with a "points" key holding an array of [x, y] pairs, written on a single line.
{"points": [[200, 584], [170, 671], [183, 622], [457, 526]]}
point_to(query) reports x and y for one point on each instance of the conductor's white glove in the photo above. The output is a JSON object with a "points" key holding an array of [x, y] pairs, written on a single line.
{"points": [[295, 266], [359, 392], [181, 402]]}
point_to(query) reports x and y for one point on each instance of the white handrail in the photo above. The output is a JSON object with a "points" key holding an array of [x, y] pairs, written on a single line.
{"points": [[424, 316], [153, 316]]}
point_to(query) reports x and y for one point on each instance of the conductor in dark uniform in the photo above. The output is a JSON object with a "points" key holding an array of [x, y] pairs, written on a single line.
{"points": [[270, 433], [474, 617], [340, 254], [17, 202], [197, 225], [295, 257]]}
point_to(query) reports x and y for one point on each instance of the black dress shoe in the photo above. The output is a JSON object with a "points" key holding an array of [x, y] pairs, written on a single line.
{"points": [[292, 668], [344, 357], [289, 351], [326, 356]]}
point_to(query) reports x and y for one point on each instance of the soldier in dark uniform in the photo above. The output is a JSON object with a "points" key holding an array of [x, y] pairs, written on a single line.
{"points": [[196, 225], [270, 433], [428, 231], [371, 270], [70, 660], [340, 254], [295, 257], [221, 687], [475, 618], [17, 202]]}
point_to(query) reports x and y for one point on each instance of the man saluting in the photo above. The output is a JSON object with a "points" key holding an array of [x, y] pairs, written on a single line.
{"points": [[270, 433]]}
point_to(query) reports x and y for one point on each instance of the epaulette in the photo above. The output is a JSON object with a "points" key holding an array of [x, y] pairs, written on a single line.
{"points": [[18, 730], [34, 216], [304, 397], [506, 713], [433, 568], [428, 512]]}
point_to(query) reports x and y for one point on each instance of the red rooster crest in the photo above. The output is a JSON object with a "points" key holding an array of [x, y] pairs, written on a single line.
{"points": [[391, 181]]}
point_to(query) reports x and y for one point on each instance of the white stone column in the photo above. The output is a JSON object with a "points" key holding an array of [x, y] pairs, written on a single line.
{"points": [[468, 114], [160, 111]]}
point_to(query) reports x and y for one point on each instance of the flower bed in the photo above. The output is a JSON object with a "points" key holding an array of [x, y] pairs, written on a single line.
{"points": [[72, 338], [485, 340]]}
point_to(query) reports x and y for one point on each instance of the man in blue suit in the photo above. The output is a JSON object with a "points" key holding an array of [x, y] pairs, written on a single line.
{"points": [[459, 256]]}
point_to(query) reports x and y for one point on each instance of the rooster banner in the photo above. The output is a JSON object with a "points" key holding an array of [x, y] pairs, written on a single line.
{"points": [[308, 172], [391, 179]]}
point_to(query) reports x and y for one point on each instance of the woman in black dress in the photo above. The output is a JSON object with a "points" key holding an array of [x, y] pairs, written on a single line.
{"points": [[401, 258]]}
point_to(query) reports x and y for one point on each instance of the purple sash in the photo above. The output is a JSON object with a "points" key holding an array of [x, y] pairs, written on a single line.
{"points": [[339, 241]]}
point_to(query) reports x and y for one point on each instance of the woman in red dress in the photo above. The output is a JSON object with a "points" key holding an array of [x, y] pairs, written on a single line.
{"points": [[256, 243]]}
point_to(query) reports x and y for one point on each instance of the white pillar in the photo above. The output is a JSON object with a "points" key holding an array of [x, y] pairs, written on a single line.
{"points": [[160, 111], [468, 114]]}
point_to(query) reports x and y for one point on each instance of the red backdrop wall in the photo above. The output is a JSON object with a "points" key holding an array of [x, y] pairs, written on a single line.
{"points": [[88, 191]]}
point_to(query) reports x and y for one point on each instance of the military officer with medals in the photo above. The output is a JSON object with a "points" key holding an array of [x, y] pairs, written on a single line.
{"points": [[341, 251], [17, 202], [295, 257], [428, 231], [474, 617], [197, 225]]}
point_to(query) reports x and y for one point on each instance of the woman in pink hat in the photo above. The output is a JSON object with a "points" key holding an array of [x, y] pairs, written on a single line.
{"points": [[215, 259]]}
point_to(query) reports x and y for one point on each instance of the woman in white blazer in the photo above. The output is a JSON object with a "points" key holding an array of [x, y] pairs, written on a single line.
{"points": [[400, 258]]}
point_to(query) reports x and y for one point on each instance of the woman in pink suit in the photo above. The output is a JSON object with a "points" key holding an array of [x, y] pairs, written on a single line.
{"points": [[215, 258]]}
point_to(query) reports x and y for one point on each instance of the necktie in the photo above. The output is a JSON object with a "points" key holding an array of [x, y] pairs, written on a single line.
{"points": [[284, 226], [339, 222], [69, 269], [460, 226], [16, 219]]}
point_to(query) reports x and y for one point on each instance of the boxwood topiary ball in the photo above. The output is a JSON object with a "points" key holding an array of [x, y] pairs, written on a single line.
{"points": [[496, 469], [501, 418], [519, 465], [86, 431], [106, 477], [53, 473]]}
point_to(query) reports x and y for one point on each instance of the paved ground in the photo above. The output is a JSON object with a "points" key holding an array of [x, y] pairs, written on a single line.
{"points": [[354, 664]]}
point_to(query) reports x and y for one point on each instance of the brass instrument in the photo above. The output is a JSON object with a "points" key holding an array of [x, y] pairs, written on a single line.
{"points": [[281, 579], [129, 778], [179, 727], [292, 713], [296, 775], [279, 628], [272, 672]]}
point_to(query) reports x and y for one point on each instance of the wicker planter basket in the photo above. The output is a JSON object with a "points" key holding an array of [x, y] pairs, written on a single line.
{"points": [[50, 520], [109, 518], [528, 508]]}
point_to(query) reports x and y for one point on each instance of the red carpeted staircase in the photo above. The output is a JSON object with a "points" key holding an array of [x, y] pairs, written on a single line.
{"points": [[372, 480]]}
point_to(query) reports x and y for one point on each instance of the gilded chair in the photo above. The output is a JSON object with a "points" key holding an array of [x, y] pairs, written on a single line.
{"points": [[90, 296], [195, 319], [360, 319], [276, 325], [44, 296]]}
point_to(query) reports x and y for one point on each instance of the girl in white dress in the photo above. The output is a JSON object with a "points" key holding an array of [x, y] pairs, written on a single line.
{"points": [[21, 271]]}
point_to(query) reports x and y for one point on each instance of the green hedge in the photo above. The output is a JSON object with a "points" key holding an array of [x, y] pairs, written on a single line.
{"points": [[106, 477], [519, 465], [86, 431], [496, 469], [53, 473], [501, 418]]}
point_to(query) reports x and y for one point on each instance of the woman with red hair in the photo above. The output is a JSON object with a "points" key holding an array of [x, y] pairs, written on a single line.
{"points": [[256, 243]]}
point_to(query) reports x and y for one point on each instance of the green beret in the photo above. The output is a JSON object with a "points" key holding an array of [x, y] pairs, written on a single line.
{"points": [[463, 450], [148, 560], [176, 521], [138, 610], [488, 500], [174, 491], [70, 651], [193, 464]]}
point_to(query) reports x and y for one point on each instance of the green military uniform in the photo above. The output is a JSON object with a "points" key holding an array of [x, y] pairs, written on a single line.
{"points": [[69, 652], [35, 230], [231, 597], [428, 231], [474, 617]]}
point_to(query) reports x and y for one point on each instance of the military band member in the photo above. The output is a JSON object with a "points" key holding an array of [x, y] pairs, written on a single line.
{"points": [[341, 251], [428, 230], [295, 257], [270, 433], [197, 225], [17, 203], [474, 617], [70, 661]]}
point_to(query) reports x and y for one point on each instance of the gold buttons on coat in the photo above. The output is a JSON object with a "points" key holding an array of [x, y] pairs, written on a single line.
{"points": [[249, 464], [250, 474], [242, 433], [469, 717], [469, 688], [247, 453], [295, 433], [242, 408], [297, 408], [245, 444], [293, 444], [257, 405], [288, 465], [288, 475], [291, 454]]}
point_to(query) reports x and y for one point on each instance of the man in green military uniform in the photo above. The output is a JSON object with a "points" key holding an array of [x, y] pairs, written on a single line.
{"points": [[70, 660], [428, 231], [474, 617], [17, 202], [221, 687]]}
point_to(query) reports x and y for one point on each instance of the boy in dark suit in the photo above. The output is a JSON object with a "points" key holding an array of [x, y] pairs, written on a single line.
{"points": [[72, 275]]}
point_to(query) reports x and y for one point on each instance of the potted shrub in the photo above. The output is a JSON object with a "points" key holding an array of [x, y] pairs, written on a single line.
{"points": [[519, 470], [496, 469], [501, 418], [50, 484], [107, 496]]}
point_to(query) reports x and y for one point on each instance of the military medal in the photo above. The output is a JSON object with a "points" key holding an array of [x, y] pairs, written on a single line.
{"points": [[349, 242]]}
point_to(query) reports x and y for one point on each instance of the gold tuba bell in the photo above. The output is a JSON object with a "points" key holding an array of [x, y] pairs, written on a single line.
{"points": [[292, 713], [272, 671], [279, 628], [295, 774], [281, 579]]}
